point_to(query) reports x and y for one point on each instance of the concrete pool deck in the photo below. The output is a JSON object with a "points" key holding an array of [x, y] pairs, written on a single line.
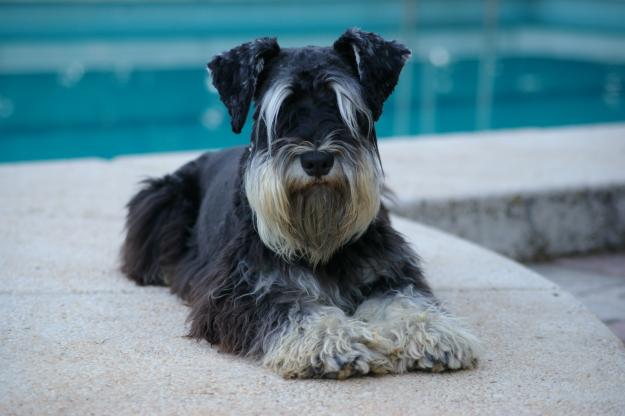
{"points": [[77, 338]]}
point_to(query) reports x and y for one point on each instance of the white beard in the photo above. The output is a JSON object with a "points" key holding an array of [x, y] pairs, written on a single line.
{"points": [[302, 217]]}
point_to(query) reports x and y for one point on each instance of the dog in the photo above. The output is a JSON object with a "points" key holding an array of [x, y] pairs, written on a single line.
{"points": [[284, 250]]}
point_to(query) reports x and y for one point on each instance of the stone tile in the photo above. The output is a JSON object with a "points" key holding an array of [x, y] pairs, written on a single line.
{"points": [[77, 338], [577, 281], [81, 188], [594, 280], [607, 303], [60, 255], [528, 194], [461, 166], [156, 164], [618, 327], [81, 252], [127, 354], [609, 264], [451, 263]]}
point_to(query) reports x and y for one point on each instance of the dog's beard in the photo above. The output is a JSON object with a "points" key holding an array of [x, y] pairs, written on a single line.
{"points": [[320, 217], [303, 217]]}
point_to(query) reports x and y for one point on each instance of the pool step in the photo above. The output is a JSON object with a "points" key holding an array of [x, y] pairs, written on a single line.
{"points": [[528, 194]]}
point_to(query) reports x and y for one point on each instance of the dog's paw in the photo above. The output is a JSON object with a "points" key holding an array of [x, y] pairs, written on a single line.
{"points": [[434, 341], [441, 359], [338, 361], [423, 337], [326, 346], [357, 360]]}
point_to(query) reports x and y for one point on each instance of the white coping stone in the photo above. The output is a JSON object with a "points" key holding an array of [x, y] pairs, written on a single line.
{"points": [[457, 166], [78, 338]]}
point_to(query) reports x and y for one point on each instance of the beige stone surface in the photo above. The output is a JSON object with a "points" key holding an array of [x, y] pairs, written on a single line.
{"points": [[598, 281], [466, 165], [529, 194], [77, 338]]}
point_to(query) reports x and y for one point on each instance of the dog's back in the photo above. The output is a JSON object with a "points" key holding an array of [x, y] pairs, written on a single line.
{"points": [[162, 216]]}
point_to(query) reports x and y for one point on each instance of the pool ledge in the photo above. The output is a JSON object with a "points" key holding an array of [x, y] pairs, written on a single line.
{"points": [[529, 194], [78, 338]]}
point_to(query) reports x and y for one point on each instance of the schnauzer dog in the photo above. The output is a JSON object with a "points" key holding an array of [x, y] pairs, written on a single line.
{"points": [[283, 249]]}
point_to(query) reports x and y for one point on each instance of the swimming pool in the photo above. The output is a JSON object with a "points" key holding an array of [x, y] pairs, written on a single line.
{"points": [[92, 103]]}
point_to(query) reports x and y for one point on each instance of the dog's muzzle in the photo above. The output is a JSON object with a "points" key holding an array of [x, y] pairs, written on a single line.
{"points": [[316, 163]]}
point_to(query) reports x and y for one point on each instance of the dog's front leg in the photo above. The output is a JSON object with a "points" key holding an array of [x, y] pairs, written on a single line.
{"points": [[417, 333], [321, 341]]}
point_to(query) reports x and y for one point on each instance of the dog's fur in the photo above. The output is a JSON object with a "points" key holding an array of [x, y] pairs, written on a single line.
{"points": [[303, 273]]}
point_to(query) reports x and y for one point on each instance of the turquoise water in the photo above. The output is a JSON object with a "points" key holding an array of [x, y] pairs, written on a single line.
{"points": [[110, 113], [106, 78]]}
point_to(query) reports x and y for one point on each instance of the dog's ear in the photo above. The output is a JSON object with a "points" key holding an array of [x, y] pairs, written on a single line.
{"points": [[378, 63], [235, 74]]}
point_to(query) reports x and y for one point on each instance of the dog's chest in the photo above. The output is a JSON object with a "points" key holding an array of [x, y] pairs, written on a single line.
{"points": [[336, 287]]}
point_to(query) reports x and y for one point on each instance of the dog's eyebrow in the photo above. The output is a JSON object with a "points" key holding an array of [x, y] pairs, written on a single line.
{"points": [[350, 103], [270, 107]]}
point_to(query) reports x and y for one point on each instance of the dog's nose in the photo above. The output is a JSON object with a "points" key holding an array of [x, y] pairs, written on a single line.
{"points": [[317, 163]]}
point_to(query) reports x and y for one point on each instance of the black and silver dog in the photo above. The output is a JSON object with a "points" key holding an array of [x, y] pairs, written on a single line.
{"points": [[284, 250]]}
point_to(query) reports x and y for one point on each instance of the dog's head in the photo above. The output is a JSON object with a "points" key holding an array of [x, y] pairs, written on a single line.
{"points": [[313, 179]]}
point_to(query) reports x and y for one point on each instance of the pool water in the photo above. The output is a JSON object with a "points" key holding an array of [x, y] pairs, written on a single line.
{"points": [[106, 78], [104, 114]]}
